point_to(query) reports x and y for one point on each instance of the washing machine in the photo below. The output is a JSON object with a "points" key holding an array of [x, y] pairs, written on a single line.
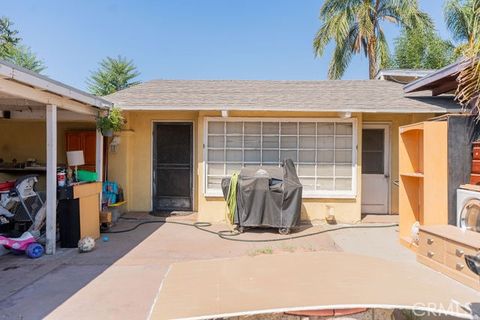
{"points": [[468, 209]]}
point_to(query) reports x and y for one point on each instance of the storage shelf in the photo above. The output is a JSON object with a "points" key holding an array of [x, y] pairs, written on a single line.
{"points": [[26, 169], [423, 167], [412, 174], [412, 127]]}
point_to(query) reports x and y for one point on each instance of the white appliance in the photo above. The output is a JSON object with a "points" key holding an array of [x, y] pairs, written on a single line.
{"points": [[468, 209]]}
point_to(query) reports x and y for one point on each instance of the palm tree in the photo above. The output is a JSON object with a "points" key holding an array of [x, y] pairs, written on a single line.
{"points": [[466, 23], [355, 26], [113, 74], [461, 18]]}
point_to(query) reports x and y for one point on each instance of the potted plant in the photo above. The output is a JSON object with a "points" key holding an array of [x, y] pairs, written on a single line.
{"points": [[111, 121]]}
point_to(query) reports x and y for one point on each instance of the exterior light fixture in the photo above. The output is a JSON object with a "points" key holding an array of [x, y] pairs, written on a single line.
{"points": [[346, 115]]}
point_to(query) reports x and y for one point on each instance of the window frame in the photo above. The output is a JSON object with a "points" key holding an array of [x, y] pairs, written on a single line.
{"points": [[340, 194]]}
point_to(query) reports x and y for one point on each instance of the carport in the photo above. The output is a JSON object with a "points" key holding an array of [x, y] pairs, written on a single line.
{"points": [[25, 95]]}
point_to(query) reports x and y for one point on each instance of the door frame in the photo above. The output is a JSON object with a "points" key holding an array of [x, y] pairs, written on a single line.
{"points": [[193, 158], [387, 157]]}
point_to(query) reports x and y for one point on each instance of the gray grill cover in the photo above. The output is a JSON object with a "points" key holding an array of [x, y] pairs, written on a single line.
{"points": [[267, 196]]}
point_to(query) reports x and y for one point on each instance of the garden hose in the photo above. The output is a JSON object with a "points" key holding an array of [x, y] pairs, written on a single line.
{"points": [[230, 235]]}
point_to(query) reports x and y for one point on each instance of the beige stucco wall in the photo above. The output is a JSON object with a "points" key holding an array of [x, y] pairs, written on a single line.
{"points": [[131, 164], [27, 139]]}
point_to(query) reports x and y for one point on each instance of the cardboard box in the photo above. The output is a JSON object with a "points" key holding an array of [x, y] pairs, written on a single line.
{"points": [[106, 217]]}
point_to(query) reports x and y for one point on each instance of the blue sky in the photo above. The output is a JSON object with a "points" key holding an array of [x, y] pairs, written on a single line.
{"points": [[184, 39]]}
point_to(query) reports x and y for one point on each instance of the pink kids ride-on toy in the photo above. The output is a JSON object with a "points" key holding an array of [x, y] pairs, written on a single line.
{"points": [[25, 243]]}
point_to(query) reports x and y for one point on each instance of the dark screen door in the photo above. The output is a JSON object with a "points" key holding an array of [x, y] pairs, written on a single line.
{"points": [[373, 151], [172, 166]]}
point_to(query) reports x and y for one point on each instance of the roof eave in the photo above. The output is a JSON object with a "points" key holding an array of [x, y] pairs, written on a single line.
{"points": [[255, 108], [403, 73], [424, 82], [35, 80]]}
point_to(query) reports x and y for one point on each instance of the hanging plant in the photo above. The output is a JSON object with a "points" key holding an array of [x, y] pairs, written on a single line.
{"points": [[111, 121]]}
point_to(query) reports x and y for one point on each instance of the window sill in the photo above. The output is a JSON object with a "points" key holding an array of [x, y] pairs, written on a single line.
{"points": [[329, 196], [213, 195], [305, 196]]}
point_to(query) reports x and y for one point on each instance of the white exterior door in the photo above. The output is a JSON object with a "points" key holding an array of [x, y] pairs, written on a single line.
{"points": [[375, 168]]}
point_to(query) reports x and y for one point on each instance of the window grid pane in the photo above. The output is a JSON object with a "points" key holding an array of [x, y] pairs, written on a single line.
{"points": [[322, 151]]}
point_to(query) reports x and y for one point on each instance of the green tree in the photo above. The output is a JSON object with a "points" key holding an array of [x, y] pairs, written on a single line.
{"points": [[8, 35], [11, 49], [24, 57], [422, 49], [113, 74], [355, 26], [462, 19]]}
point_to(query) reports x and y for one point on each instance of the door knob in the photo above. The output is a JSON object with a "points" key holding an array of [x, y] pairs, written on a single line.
{"points": [[386, 176]]}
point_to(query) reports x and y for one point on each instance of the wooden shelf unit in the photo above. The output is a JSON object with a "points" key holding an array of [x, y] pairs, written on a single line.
{"points": [[413, 175], [423, 176], [434, 160]]}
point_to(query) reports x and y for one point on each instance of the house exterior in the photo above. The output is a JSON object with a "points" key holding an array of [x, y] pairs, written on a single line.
{"points": [[183, 136]]}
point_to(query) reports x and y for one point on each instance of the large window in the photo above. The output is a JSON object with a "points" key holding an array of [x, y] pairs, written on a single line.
{"points": [[323, 151]]}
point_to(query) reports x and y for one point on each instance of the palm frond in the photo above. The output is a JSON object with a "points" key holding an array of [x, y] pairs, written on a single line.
{"points": [[341, 19], [337, 27], [456, 19], [335, 7], [469, 85], [342, 56], [468, 88], [337, 18], [366, 27], [405, 13], [383, 52]]}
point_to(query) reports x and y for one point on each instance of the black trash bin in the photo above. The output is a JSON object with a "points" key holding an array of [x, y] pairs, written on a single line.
{"points": [[267, 197]]}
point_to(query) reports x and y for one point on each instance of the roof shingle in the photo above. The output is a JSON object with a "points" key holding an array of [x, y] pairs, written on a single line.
{"points": [[332, 95]]}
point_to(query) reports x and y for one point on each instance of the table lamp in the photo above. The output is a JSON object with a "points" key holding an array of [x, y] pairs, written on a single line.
{"points": [[74, 159]]}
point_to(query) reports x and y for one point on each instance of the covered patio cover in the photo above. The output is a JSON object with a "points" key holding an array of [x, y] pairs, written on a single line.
{"points": [[27, 95], [265, 284], [442, 81]]}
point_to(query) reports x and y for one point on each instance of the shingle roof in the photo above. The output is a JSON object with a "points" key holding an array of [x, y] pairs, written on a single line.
{"points": [[334, 95]]}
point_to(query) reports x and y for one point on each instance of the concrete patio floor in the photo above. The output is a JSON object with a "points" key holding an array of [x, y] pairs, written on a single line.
{"points": [[224, 288], [121, 277]]}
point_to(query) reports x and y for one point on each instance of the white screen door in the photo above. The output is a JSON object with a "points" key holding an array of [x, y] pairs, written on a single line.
{"points": [[375, 168]]}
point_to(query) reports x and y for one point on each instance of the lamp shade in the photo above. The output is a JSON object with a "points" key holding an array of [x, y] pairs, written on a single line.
{"points": [[75, 158]]}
